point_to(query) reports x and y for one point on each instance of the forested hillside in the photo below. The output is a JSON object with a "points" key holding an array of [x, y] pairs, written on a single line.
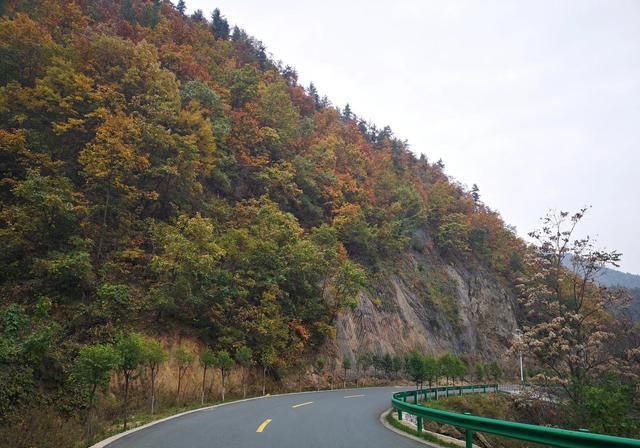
{"points": [[162, 175]]}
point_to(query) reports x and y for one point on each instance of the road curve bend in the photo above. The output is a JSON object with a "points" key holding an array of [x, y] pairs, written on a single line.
{"points": [[346, 418]]}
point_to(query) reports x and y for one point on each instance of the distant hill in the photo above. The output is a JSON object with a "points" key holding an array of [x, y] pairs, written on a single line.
{"points": [[611, 277]]}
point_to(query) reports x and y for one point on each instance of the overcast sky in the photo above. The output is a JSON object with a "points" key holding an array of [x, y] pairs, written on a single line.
{"points": [[538, 102]]}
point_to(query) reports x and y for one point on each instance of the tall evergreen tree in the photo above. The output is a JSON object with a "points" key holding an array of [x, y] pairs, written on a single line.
{"points": [[346, 113], [127, 12], [181, 7], [198, 16], [475, 194], [313, 93], [219, 25], [236, 35]]}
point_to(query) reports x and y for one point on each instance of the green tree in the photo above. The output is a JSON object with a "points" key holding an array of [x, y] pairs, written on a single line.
{"points": [[453, 233], [244, 357], [186, 262], [318, 367], [478, 241], [267, 360], [183, 359], [131, 351], [225, 363], [245, 85], [460, 368], [111, 164], [181, 7], [333, 365], [396, 364], [127, 12], [480, 370], [608, 408], [207, 359], [494, 370], [154, 355], [277, 112], [475, 194], [346, 366], [447, 365], [415, 367], [387, 364], [431, 369], [350, 279], [93, 368], [219, 25]]}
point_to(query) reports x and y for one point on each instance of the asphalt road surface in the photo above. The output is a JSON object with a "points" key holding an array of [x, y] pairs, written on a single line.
{"points": [[339, 418]]}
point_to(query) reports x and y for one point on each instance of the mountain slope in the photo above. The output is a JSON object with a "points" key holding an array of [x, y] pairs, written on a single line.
{"points": [[161, 174]]}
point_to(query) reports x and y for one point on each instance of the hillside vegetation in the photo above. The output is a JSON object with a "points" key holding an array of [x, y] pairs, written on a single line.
{"points": [[161, 173], [164, 178]]}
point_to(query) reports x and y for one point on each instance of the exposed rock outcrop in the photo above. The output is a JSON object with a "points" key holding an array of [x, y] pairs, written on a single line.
{"points": [[435, 306]]}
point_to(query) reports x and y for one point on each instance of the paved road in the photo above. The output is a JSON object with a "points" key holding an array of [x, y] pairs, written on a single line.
{"points": [[340, 418]]}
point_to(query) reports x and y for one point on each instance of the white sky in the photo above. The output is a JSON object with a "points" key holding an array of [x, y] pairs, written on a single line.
{"points": [[538, 102]]}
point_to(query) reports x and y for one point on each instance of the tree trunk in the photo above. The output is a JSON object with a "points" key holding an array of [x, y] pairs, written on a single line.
{"points": [[153, 390], [204, 376], [222, 374], [344, 380], [179, 383], [264, 379], [104, 220], [88, 429], [244, 383], [126, 398]]}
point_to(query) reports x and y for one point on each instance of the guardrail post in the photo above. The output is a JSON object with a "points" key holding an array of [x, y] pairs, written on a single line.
{"points": [[447, 390], [436, 397], [399, 415], [419, 425], [468, 439], [468, 436], [484, 386], [415, 397], [459, 390]]}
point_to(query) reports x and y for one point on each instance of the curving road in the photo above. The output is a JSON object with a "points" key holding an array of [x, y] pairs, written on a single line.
{"points": [[341, 418]]}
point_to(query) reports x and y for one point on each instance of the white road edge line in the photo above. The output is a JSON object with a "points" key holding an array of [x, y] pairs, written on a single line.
{"points": [[301, 404], [355, 396]]}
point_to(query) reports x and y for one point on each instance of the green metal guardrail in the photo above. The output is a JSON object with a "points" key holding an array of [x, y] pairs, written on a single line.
{"points": [[470, 423]]}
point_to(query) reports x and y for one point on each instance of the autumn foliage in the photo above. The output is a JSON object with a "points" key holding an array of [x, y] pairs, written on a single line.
{"points": [[161, 173]]}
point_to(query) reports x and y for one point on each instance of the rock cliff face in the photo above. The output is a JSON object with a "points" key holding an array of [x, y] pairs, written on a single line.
{"points": [[426, 303]]}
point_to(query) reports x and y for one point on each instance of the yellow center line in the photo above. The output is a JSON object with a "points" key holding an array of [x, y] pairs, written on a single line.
{"points": [[354, 396], [263, 425], [301, 404]]}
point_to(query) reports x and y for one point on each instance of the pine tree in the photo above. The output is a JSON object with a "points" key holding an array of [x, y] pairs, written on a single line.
{"points": [[219, 25], [127, 12], [346, 113], [475, 194], [313, 93], [181, 7], [198, 16], [155, 13], [236, 36]]}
